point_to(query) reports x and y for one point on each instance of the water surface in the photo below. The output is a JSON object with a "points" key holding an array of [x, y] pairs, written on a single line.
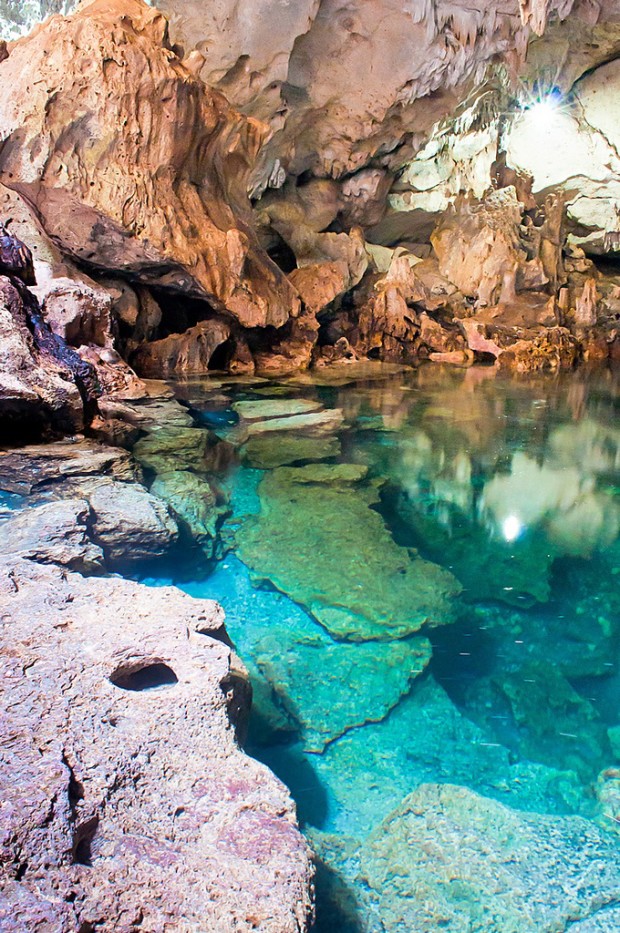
{"points": [[421, 572]]}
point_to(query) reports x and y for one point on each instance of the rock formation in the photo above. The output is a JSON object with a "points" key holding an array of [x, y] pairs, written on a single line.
{"points": [[127, 802], [176, 213], [329, 165]]}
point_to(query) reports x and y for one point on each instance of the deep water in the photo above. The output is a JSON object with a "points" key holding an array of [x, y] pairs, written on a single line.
{"points": [[421, 571]]}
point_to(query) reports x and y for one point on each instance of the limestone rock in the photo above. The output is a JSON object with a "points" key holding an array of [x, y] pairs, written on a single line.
{"points": [[470, 862], [319, 423], [275, 408], [127, 800], [182, 354], [173, 448], [34, 396], [358, 684], [79, 313], [266, 452], [426, 735], [478, 247], [367, 589], [38, 467], [130, 524], [194, 502], [56, 533], [175, 216], [588, 171]]}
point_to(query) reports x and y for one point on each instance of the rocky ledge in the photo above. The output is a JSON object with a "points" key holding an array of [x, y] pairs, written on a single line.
{"points": [[127, 802]]}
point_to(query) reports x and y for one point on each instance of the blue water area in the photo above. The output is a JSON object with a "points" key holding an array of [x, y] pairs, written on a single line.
{"points": [[421, 571], [10, 502]]}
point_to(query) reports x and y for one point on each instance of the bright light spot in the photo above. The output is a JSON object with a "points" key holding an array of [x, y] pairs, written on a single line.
{"points": [[541, 112], [511, 528]]}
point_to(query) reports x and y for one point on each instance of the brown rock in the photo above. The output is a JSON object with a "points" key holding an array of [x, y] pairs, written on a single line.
{"points": [[56, 533], [78, 312], [38, 467], [552, 348], [478, 247], [127, 802], [116, 378], [182, 354], [175, 212]]}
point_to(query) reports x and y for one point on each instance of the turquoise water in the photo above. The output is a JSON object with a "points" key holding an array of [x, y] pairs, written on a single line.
{"points": [[421, 572]]}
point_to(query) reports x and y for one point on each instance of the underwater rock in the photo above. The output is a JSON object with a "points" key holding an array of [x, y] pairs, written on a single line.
{"points": [[173, 448], [266, 452], [332, 474], [127, 799], [275, 408], [468, 862], [54, 533], [555, 724], [359, 683], [428, 735], [194, 502], [322, 544], [316, 422]]}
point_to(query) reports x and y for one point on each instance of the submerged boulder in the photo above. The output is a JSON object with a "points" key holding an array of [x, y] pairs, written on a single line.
{"points": [[323, 544], [467, 862], [264, 452], [194, 502]]}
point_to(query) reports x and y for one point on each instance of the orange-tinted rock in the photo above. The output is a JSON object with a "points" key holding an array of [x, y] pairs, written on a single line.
{"points": [[132, 163], [182, 354], [552, 348]]}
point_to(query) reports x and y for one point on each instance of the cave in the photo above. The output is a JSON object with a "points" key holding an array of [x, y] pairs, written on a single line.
{"points": [[310, 465]]}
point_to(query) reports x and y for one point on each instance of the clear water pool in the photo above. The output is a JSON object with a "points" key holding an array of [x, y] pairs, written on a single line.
{"points": [[422, 576]]}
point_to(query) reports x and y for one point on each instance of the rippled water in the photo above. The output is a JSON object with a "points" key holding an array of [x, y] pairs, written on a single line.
{"points": [[422, 576]]}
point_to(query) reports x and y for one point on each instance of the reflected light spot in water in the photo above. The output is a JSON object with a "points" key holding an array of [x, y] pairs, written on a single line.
{"points": [[511, 528]]}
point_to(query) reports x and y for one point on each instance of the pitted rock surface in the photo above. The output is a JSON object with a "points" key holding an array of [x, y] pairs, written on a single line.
{"points": [[126, 802]]}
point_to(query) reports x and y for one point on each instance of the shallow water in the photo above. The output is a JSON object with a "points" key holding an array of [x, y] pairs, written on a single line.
{"points": [[422, 577]]}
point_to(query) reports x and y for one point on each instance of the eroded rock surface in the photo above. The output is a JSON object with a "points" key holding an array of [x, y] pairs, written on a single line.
{"points": [[127, 802], [320, 542], [473, 863], [175, 213]]}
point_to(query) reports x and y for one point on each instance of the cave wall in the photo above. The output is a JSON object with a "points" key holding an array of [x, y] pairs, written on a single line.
{"points": [[282, 171]]}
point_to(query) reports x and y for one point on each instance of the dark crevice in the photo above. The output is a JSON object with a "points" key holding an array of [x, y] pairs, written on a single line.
{"points": [[145, 676], [82, 853]]}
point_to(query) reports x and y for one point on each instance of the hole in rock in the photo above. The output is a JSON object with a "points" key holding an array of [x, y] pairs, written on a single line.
{"points": [[180, 313], [221, 356], [147, 677], [83, 842], [282, 254]]}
